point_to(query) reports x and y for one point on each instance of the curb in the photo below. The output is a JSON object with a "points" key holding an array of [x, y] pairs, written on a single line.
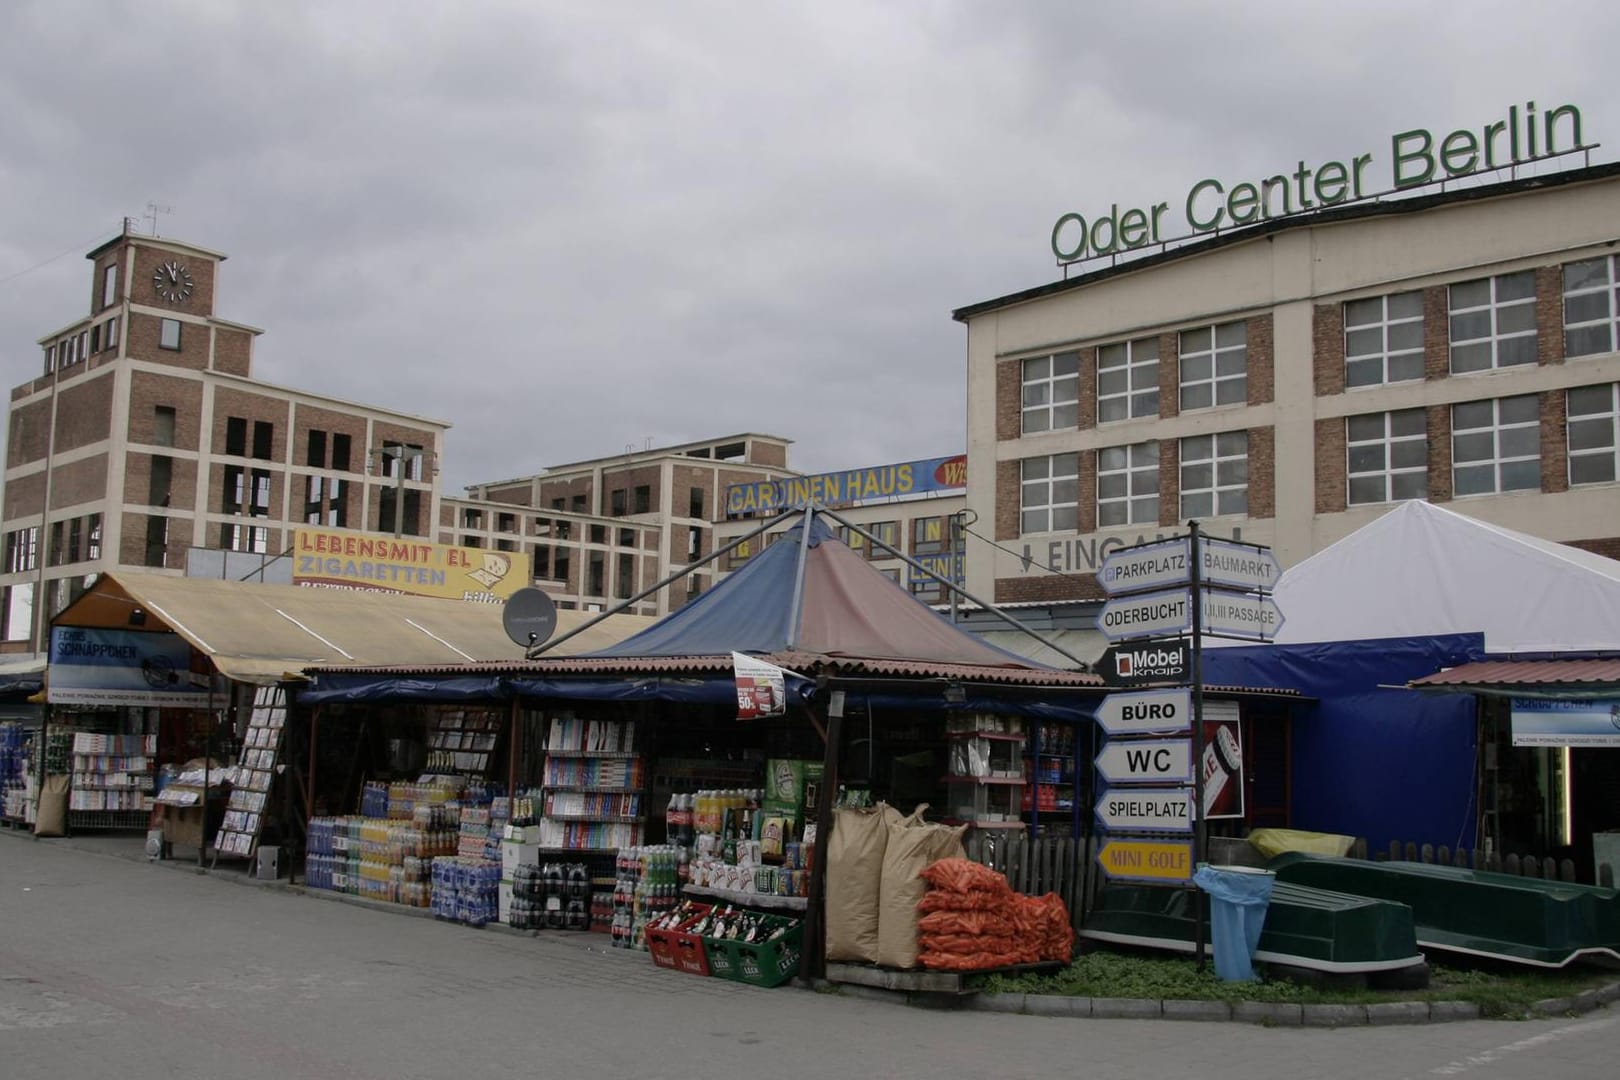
{"points": [[1278, 1014]]}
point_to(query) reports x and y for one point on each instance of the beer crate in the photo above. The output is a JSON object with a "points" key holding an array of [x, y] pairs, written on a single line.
{"points": [[771, 963], [679, 949]]}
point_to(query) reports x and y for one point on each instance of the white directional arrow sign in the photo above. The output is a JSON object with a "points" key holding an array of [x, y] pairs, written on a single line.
{"points": [[1151, 566], [1151, 761], [1237, 566], [1146, 809], [1241, 615], [1146, 615], [1145, 712]]}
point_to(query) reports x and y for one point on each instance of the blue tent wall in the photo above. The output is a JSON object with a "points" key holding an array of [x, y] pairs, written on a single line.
{"points": [[1385, 764]]}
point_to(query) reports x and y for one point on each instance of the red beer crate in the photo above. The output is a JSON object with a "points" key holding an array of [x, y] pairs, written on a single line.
{"points": [[678, 949]]}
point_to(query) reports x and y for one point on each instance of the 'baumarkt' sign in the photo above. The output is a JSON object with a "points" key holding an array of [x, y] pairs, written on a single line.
{"points": [[1417, 158]]}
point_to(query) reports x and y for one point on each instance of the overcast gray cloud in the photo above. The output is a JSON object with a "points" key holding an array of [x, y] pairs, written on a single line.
{"points": [[569, 228]]}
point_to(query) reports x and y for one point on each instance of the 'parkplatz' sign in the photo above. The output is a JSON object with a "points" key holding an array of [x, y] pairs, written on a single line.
{"points": [[1150, 566]]}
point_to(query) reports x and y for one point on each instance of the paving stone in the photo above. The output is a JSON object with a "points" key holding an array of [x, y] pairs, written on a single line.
{"points": [[1453, 1010], [1398, 1012], [1197, 1010], [1056, 1005], [1277, 1013], [1127, 1008], [1557, 1006], [1333, 1015]]}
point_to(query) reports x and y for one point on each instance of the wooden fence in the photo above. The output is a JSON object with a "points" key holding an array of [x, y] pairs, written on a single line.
{"points": [[1547, 868], [1036, 867]]}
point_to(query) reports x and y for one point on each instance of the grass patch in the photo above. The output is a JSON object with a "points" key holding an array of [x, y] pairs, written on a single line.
{"points": [[1107, 973]]}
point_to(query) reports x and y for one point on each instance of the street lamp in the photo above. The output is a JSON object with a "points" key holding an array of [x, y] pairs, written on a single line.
{"points": [[399, 453]]}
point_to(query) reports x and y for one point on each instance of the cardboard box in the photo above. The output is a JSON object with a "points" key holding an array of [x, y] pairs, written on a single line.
{"points": [[503, 895], [515, 854]]}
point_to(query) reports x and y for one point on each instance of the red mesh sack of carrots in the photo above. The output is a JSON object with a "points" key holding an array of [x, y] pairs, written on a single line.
{"points": [[1043, 924], [939, 900], [967, 922], [965, 876], [954, 962]]}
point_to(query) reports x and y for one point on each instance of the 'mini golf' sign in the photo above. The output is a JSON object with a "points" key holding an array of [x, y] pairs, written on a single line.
{"points": [[1417, 158]]}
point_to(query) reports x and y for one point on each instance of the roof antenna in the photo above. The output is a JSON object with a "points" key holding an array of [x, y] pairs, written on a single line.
{"points": [[152, 212]]}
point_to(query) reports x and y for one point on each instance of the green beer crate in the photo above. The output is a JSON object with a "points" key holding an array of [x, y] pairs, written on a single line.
{"points": [[771, 963], [724, 963]]}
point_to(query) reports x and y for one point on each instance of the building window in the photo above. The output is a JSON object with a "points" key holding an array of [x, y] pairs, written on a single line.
{"points": [[643, 500], [157, 541], [559, 564], [892, 573], [1215, 366], [577, 505], [627, 538], [472, 519], [1383, 339], [163, 425], [236, 436], [696, 507], [598, 534], [261, 493], [315, 454], [255, 538], [95, 338], [694, 585], [1594, 421], [506, 523], [694, 544], [593, 581], [854, 540], [160, 481], [1493, 323], [927, 536], [616, 502], [109, 284], [22, 550], [626, 577], [1591, 306], [1387, 456], [1496, 446], [263, 436], [1051, 393], [1049, 494], [93, 537], [1128, 380], [111, 337], [1128, 485], [50, 359], [169, 334], [889, 533], [927, 589], [340, 452], [1215, 474]]}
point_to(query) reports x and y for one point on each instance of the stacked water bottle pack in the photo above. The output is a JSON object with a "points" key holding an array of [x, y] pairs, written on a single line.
{"points": [[466, 890], [13, 769], [552, 896]]}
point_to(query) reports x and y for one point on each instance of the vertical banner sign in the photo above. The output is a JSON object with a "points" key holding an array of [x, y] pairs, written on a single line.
{"points": [[761, 687], [1222, 763]]}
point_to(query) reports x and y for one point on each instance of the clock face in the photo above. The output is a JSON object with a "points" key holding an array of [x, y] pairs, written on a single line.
{"points": [[172, 281]]}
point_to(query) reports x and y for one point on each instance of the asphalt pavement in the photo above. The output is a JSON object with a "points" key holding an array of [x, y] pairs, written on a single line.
{"points": [[115, 968]]}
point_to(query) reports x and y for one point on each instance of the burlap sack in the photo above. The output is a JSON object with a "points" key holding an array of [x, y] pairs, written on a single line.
{"points": [[911, 848], [854, 871], [53, 804]]}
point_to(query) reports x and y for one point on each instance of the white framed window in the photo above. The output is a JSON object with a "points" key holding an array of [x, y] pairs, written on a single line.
{"points": [[1215, 474], [1387, 456], [1493, 322], [1215, 366], [169, 334], [1049, 494], [1593, 426], [1128, 485], [247, 538], [1591, 306], [111, 337], [1128, 380], [1383, 339], [109, 284], [1496, 445], [1051, 393]]}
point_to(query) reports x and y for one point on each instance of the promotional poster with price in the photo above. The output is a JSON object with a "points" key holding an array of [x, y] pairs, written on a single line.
{"points": [[1222, 765]]}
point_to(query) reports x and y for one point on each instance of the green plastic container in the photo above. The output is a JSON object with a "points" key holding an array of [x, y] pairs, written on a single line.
{"points": [[771, 963]]}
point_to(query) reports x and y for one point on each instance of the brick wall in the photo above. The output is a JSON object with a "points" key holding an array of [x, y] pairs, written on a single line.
{"points": [[648, 476], [1009, 474], [1439, 453], [84, 413], [1330, 466], [1169, 481], [233, 351], [1009, 399], [1037, 587], [28, 436], [1327, 349], [1549, 316], [144, 334], [1262, 359], [1554, 440], [1088, 493], [685, 478], [1263, 472], [1436, 332], [81, 481], [24, 496], [566, 490], [765, 453], [147, 391], [1088, 388], [1608, 546], [253, 408], [307, 418], [1169, 374]]}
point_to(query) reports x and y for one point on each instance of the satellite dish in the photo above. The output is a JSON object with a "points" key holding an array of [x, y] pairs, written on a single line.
{"points": [[529, 616]]}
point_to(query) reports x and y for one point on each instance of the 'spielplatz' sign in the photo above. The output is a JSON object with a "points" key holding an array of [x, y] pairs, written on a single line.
{"points": [[1416, 158]]}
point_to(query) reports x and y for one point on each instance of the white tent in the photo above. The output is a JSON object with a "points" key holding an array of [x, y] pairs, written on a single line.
{"points": [[1423, 570]]}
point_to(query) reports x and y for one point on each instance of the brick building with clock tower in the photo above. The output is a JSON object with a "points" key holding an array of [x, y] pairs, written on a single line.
{"points": [[144, 435]]}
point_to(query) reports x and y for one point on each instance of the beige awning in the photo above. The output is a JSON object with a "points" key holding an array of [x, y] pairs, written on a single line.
{"points": [[262, 633]]}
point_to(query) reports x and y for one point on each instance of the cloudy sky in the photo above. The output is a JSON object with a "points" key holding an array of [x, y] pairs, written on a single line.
{"points": [[571, 228]]}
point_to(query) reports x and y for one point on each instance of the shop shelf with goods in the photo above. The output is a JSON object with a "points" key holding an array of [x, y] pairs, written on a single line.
{"points": [[986, 779], [113, 780], [16, 771], [463, 740], [594, 786]]}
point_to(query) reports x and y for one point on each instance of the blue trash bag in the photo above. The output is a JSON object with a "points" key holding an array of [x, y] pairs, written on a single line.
{"points": [[1239, 897]]}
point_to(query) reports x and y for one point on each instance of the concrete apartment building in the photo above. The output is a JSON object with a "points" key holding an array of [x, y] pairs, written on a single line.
{"points": [[602, 530], [1292, 380], [145, 435]]}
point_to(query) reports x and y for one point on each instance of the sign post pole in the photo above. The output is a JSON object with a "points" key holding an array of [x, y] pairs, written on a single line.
{"points": [[1200, 827]]}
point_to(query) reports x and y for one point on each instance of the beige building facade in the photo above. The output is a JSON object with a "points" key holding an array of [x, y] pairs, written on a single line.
{"points": [[1291, 381], [145, 435]]}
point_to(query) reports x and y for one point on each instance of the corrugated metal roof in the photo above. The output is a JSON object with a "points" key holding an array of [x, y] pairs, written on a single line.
{"points": [[1581, 672]]}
